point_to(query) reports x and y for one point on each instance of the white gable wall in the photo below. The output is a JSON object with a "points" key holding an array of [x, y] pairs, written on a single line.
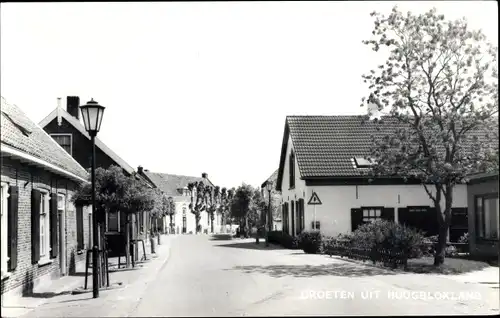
{"points": [[300, 190], [335, 212]]}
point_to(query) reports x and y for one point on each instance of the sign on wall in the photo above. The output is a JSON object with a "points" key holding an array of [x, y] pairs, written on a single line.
{"points": [[314, 200]]}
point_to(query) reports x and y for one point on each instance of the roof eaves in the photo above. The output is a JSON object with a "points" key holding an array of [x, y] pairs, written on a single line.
{"points": [[282, 156]]}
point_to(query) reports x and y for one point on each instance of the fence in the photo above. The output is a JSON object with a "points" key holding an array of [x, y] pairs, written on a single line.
{"points": [[388, 257]]}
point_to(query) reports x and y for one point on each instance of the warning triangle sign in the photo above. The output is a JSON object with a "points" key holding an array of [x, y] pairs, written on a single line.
{"points": [[314, 200]]}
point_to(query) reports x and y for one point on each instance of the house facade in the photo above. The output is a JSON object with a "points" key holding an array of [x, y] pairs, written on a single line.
{"points": [[43, 233], [176, 187], [276, 201], [66, 128], [484, 218], [324, 186]]}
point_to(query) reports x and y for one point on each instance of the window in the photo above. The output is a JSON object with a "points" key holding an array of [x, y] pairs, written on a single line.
{"points": [[113, 224], [64, 140], [4, 227], [44, 226], [292, 170], [487, 218], [371, 214], [363, 163]]}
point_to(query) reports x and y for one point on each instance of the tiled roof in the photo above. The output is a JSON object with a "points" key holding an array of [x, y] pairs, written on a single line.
{"points": [[169, 183], [326, 145], [20, 133], [272, 178]]}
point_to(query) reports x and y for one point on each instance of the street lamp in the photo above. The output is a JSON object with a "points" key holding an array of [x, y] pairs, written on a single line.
{"points": [[269, 187], [92, 114]]}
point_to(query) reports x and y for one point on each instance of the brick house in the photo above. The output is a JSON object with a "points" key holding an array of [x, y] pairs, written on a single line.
{"points": [[275, 200], [67, 129], [176, 186], [484, 218], [322, 161], [43, 234]]}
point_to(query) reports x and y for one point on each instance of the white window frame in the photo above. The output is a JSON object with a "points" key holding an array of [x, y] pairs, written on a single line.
{"points": [[70, 141], [372, 214], [45, 241], [107, 221], [4, 228]]}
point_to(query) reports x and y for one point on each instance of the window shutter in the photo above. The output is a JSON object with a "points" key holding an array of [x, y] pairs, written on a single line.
{"points": [[403, 216], [13, 203], [356, 218], [53, 225], [79, 227], [35, 225], [292, 214], [303, 221], [388, 214]]}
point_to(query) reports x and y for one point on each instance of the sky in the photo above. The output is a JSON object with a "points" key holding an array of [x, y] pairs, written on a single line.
{"points": [[200, 87]]}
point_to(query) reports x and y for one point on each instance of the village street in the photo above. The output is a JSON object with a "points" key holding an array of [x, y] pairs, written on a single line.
{"points": [[204, 276]]}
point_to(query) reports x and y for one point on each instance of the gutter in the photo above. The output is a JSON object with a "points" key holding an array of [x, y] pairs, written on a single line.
{"points": [[42, 163]]}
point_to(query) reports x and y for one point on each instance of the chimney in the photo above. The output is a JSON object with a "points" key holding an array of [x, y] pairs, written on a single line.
{"points": [[204, 175], [73, 106], [139, 170]]}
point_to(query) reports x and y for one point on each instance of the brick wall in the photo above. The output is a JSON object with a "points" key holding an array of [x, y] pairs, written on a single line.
{"points": [[26, 178]]}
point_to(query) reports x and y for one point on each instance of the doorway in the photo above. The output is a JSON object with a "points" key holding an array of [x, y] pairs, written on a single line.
{"points": [[61, 211]]}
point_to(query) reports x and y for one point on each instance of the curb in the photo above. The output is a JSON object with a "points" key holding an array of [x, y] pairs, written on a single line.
{"points": [[114, 286]]}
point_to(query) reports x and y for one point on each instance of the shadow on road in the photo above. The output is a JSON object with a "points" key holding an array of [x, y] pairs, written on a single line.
{"points": [[251, 245], [344, 270], [221, 237]]}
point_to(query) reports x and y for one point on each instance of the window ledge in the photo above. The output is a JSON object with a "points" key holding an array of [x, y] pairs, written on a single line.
{"points": [[45, 262], [5, 276]]}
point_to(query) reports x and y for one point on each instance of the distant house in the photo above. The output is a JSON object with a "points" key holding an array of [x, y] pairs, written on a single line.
{"points": [[66, 128], [275, 200], [42, 232], [483, 212], [176, 187], [324, 186]]}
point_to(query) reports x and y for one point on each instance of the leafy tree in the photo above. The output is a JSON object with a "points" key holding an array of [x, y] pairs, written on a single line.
{"points": [[116, 192], [240, 206], [258, 209], [214, 204], [198, 201], [439, 87], [170, 211]]}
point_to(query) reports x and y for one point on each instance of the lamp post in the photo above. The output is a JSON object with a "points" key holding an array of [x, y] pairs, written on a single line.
{"points": [[92, 114], [269, 187]]}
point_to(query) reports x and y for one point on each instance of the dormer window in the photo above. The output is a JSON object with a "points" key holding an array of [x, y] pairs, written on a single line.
{"points": [[292, 170], [362, 162]]}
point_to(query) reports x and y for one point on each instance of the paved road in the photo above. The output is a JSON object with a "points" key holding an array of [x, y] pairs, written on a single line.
{"points": [[206, 277]]}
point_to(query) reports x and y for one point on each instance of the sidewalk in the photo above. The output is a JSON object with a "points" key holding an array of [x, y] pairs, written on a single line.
{"points": [[56, 300]]}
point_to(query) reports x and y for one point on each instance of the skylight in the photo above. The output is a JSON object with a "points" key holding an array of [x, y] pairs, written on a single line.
{"points": [[363, 163]]}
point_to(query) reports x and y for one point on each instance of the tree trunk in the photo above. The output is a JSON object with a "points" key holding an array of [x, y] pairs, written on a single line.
{"points": [[102, 246], [171, 224], [444, 223], [247, 230], [212, 222]]}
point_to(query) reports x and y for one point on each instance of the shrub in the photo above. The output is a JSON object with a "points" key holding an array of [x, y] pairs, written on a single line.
{"points": [[289, 242], [450, 251], [310, 242], [275, 237], [464, 238], [385, 240]]}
